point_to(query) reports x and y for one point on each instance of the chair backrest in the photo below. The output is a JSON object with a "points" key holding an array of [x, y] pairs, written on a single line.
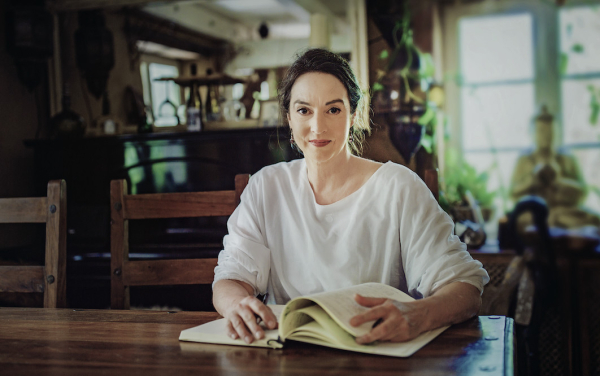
{"points": [[50, 278], [431, 180], [125, 272]]}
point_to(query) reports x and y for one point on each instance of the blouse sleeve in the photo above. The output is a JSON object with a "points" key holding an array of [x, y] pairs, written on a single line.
{"points": [[244, 256], [431, 254]]}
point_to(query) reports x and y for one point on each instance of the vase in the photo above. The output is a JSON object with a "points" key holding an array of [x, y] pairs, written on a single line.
{"points": [[405, 133]]}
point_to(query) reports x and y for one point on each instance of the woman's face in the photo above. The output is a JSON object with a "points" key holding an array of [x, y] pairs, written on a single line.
{"points": [[319, 116]]}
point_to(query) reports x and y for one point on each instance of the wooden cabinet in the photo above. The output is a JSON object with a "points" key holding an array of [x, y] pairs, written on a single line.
{"points": [[569, 335]]}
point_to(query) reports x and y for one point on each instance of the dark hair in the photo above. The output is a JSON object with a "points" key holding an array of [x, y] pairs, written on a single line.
{"points": [[323, 61]]}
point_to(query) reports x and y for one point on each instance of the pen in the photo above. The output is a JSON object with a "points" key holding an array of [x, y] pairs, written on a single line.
{"points": [[264, 301]]}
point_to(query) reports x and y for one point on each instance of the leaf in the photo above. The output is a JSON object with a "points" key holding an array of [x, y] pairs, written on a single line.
{"points": [[427, 143], [384, 54], [577, 48], [377, 86], [564, 60], [427, 117]]}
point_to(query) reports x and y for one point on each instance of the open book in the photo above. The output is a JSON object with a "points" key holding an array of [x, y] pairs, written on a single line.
{"points": [[321, 319]]}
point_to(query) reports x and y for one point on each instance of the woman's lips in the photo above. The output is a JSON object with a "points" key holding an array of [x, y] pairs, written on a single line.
{"points": [[320, 143]]}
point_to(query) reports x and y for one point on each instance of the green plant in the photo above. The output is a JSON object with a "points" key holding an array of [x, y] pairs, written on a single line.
{"points": [[414, 83], [461, 177]]}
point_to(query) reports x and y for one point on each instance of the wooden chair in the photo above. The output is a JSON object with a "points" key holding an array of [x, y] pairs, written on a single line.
{"points": [[50, 278], [125, 272], [431, 180]]}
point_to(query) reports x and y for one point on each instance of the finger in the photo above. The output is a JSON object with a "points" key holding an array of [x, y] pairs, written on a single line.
{"points": [[368, 302], [250, 321], [265, 313], [375, 313], [240, 328], [230, 331], [378, 333]]}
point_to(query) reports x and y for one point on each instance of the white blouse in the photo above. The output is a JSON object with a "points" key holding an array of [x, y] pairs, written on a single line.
{"points": [[391, 230]]}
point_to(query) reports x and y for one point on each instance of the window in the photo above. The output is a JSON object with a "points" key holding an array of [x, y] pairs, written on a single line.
{"points": [[579, 35], [497, 94], [162, 97]]}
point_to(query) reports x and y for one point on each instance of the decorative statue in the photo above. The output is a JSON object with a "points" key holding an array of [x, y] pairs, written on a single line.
{"points": [[554, 176]]}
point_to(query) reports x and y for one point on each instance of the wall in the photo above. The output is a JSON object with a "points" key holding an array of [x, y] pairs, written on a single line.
{"points": [[19, 122], [125, 73]]}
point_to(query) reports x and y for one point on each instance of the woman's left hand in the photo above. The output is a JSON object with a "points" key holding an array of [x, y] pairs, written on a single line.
{"points": [[396, 321]]}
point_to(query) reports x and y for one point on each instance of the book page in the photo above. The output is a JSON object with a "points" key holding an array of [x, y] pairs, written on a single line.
{"points": [[322, 327], [216, 332], [341, 306], [322, 330]]}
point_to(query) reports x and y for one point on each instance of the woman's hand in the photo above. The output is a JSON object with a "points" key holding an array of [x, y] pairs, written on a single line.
{"points": [[396, 321], [244, 316]]}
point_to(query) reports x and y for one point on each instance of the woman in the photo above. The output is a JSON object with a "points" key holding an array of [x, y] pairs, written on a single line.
{"points": [[333, 220]]}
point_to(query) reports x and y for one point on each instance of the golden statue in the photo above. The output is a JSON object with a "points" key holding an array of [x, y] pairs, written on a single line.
{"points": [[553, 176]]}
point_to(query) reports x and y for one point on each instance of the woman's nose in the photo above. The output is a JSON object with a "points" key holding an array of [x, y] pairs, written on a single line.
{"points": [[317, 125]]}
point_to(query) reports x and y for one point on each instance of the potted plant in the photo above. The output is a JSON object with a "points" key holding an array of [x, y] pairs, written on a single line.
{"points": [[457, 180]]}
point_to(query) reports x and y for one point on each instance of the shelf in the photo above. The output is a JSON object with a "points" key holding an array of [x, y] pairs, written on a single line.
{"points": [[213, 79]]}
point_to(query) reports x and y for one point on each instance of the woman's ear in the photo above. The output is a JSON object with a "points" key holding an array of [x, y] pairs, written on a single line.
{"points": [[288, 116]]}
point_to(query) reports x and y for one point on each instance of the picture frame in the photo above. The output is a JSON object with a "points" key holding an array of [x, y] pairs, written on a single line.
{"points": [[269, 113]]}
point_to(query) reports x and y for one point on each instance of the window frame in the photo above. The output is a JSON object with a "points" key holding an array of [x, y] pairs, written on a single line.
{"points": [[548, 80], [147, 86]]}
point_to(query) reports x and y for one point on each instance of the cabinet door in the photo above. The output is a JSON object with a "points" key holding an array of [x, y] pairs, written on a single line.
{"points": [[589, 315]]}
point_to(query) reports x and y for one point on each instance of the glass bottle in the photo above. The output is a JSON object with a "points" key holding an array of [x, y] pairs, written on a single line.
{"points": [[67, 123], [212, 107], [194, 106]]}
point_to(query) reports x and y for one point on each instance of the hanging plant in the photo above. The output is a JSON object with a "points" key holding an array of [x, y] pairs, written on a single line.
{"points": [[399, 91]]}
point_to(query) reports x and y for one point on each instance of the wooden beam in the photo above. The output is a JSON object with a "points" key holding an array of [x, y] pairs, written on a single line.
{"points": [[21, 279], [179, 205], [23, 210], [145, 26], [169, 272]]}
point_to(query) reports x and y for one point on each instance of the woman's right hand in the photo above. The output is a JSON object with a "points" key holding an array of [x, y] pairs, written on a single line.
{"points": [[244, 316]]}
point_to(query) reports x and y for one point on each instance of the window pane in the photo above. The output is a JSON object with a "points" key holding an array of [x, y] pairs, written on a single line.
{"points": [[497, 116], [500, 169], [580, 39], [496, 48], [581, 122], [589, 160], [164, 113]]}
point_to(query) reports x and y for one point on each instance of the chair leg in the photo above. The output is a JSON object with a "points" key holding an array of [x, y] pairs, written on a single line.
{"points": [[119, 245], [55, 271]]}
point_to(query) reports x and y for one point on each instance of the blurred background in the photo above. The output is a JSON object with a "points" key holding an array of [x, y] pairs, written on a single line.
{"points": [[501, 98]]}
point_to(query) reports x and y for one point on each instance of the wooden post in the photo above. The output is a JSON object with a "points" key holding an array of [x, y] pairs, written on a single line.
{"points": [[55, 272], [119, 245]]}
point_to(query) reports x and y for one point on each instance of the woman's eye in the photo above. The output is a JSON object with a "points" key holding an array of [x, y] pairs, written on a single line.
{"points": [[302, 111], [335, 110]]}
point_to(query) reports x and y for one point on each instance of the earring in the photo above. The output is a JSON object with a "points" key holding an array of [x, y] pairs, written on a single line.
{"points": [[351, 138], [292, 139]]}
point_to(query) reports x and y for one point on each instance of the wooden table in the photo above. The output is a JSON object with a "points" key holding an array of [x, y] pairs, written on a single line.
{"points": [[103, 342]]}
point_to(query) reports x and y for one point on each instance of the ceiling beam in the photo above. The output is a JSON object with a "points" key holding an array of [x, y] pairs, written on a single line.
{"points": [[202, 20], [72, 5], [142, 26], [316, 6]]}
